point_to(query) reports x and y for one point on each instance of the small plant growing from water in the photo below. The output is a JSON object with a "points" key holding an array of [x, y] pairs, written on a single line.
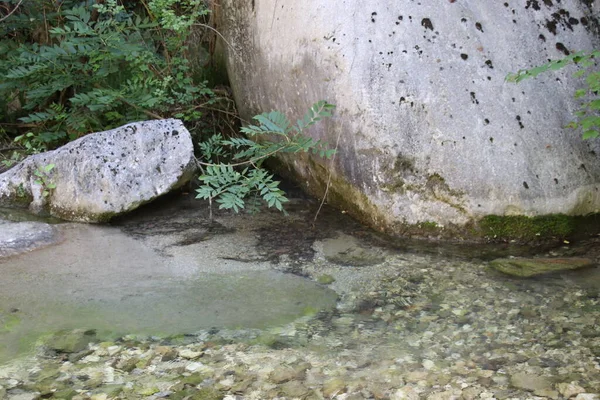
{"points": [[242, 182], [43, 178]]}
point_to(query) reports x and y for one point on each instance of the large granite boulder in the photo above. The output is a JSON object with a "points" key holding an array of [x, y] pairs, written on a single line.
{"points": [[429, 129], [103, 174]]}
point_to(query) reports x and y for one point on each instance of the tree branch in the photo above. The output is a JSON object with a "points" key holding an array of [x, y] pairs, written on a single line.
{"points": [[12, 12]]}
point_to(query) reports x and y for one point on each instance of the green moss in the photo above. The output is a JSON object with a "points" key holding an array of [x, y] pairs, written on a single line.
{"points": [[403, 163], [428, 226], [521, 227], [438, 189], [66, 394], [9, 323], [396, 186], [309, 311], [193, 380], [325, 279]]}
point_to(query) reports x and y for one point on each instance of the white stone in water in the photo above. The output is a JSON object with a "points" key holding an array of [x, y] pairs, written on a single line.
{"points": [[189, 354], [405, 393], [587, 396], [194, 366], [109, 375], [428, 364], [11, 383], [92, 358], [569, 390]]}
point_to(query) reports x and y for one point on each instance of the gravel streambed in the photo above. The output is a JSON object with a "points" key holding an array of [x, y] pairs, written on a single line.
{"points": [[408, 325]]}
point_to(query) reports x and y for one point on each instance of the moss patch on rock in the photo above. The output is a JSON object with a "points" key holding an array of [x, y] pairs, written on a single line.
{"points": [[314, 178], [526, 228]]}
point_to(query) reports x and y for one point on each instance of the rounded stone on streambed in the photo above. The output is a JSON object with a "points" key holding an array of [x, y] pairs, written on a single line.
{"points": [[346, 250], [294, 389], [73, 341], [287, 373], [189, 354], [19, 237], [528, 267], [530, 382], [334, 387]]}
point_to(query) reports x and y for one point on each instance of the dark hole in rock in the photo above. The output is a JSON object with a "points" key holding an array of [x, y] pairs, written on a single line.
{"points": [[427, 24]]}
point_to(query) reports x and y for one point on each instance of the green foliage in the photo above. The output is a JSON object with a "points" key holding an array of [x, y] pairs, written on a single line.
{"points": [[44, 179], [70, 68], [588, 116], [242, 183]]}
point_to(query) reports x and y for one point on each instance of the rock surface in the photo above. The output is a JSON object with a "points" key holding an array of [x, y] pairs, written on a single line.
{"points": [[526, 267], [103, 174], [429, 130], [17, 237]]}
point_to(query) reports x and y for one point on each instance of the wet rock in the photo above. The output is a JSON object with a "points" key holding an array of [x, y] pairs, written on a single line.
{"points": [[24, 396], [568, 390], [242, 386], [294, 389], [527, 267], [587, 396], [416, 376], [325, 279], [18, 237], [445, 395], [111, 390], [405, 393], [127, 364], [208, 394], [66, 394], [530, 382], [471, 393], [348, 251], [166, 353], [189, 354], [194, 366], [117, 171], [590, 332], [70, 341], [285, 374], [333, 387]]}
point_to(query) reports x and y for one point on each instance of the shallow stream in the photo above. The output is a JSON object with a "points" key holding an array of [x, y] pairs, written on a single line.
{"points": [[272, 306]]}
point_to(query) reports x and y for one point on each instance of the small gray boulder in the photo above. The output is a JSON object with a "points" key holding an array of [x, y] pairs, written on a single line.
{"points": [[526, 267], [18, 237], [103, 174]]}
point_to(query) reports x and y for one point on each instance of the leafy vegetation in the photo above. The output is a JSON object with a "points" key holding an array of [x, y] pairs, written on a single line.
{"points": [[588, 116], [69, 69], [242, 182], [44, 179]]}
